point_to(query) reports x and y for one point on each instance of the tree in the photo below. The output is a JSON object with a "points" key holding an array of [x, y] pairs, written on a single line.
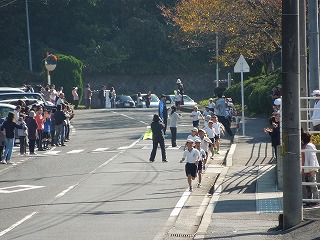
{"points": [[249, 27]]}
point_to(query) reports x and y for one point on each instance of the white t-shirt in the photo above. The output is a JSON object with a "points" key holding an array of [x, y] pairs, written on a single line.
{"points": [[211, 132], [196, 115], [193, 137], [174, 118], [217, 127], [204, 143], [202, 154], [191, 156], [211, 104]]}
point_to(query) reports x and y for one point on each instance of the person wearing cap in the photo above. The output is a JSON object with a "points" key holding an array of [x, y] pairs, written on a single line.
{"points": [[211, 105], [191, 155], [193, 136], [177, 99], [196, 115], [316, 113], [163, 112], [221, 113], [180, 89], [207, 114], [211, 133], [205, 142], [174, 118], [219, 129], [157, 127], [202, 156]]}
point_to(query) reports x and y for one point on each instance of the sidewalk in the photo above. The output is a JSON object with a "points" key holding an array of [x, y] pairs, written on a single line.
{"points": [[246, 203]]}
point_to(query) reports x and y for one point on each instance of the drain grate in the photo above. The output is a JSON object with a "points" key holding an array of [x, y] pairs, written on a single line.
{"points": [[182, 235]]}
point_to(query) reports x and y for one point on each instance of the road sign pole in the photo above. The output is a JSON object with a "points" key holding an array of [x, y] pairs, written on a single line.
{"points": [[242, 104]]}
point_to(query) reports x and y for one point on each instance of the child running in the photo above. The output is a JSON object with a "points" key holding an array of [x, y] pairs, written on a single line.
{"points": [[211, 135], [196, 115], [219, 128], [205, 142], [200, 162], [191, 155]]}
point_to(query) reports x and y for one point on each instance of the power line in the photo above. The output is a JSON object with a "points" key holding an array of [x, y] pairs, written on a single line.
{"points": [[6, 4]]}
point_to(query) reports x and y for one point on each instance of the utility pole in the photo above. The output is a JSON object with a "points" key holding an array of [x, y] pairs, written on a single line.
{"points": [[217, 59], [313, 21], [292, 184], [29, 41], [303, 62]]}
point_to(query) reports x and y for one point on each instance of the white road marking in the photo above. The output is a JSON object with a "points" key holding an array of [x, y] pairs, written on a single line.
{"points": [[64, 192], [17, 224], [18, 188], [175, 212], [51, 152], [126, 116], [100, 149], [134, 143], [76, 151]]}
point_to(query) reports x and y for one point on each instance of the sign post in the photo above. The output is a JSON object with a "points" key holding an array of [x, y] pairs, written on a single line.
{"points": [[241, 67], [50, 64]]}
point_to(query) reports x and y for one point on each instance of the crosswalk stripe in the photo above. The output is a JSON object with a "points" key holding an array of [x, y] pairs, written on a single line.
{"points": [[51, 152], [100, 149], [76, 151]]}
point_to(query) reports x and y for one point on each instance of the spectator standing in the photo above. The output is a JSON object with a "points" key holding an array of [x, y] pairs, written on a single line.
{"points": [[32, 131], [112, 96], [139, 100], [60, 99], [53, 94], [316, 113], [52, 126], [221, 113], [75, 97], [309, 159], [46, 129], [87, 96], [22, 133], [148, 99], [40, 120], [157, 127], [274, 132], [59, 118], [2, 141], [9, 126], [102, 96], [163, 112], [181, 90], [174, 118]]}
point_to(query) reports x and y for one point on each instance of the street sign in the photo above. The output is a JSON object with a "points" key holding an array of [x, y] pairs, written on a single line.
{"points": [[241, 65]]}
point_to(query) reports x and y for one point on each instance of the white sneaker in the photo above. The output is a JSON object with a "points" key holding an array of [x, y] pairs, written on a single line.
{"points": [[3, 162], [199, 185]]}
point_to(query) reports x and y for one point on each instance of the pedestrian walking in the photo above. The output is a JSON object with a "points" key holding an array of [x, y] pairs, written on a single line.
{"points": [[174, 118], [157, 127], [191, 155], [309, 159], [163, 112], [9, 126], [113, 96]]}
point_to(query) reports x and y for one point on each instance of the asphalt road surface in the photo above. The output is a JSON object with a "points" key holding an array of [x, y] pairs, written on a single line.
{"points": [[100, 186]]}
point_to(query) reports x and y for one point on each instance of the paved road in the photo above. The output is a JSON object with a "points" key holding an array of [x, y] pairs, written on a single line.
{"points": [[100, 185]]}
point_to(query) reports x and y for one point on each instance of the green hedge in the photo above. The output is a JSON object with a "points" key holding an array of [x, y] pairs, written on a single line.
{"points": [[257, 93]]}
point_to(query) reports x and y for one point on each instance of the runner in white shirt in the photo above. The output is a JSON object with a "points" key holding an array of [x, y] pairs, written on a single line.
{"points": [[205, 142], [191, 155], [196, 115], [219, 128], [193, 136], [201, 159], [211, 132]]}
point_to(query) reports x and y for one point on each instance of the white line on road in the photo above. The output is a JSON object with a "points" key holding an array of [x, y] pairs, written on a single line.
{"points": [[17, 224], [126, 116], [175, 212], [64, 192], [76, 151]]}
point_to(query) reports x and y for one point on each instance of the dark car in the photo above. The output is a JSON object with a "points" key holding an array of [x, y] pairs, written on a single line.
{"points": [[5, 109], [11, 97], [124, 101]]}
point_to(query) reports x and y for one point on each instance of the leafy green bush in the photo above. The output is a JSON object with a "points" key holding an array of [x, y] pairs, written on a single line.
{"points": [[68, 74], [257, 93]]}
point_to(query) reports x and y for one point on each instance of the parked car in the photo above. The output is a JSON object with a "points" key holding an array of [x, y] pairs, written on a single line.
{"points": [[123, 101], [5, 109], [188, 102], [154, 100], [14, 96], [10, 90], [135, 97]]}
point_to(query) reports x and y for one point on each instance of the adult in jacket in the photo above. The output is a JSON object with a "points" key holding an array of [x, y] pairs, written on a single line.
{"points": [[157, 127]]}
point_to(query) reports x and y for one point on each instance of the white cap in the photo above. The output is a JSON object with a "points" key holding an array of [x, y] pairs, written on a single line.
{"points": [[315, 92], [277, 101], [178, 81], [190, 140], [198, 140]]}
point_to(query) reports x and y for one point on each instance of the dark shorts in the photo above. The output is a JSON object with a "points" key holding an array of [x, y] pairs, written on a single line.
{"points": [[217, 137], [178, 103], [199, 166], [195, 123], [191, 169], [212, 140]]}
